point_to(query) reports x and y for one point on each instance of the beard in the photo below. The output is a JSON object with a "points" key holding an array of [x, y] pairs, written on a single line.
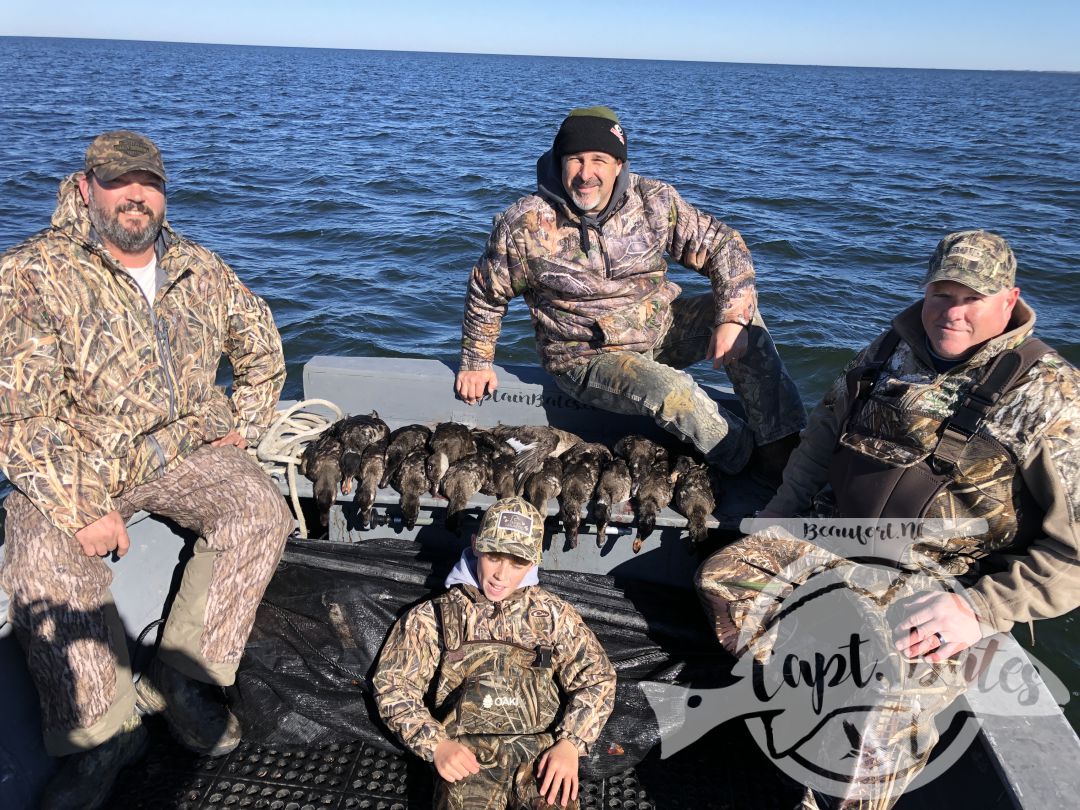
{"points": [[577, 195], [130, 240]]}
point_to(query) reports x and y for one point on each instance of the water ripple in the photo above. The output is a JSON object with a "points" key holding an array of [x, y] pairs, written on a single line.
{"points": [[354, 190]]}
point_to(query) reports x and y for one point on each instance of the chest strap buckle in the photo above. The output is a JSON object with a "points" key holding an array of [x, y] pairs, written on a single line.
{"points": [[543, 657]]}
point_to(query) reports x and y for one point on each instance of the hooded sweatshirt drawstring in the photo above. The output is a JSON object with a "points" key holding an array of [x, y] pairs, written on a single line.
{"points": [[585, 246]]}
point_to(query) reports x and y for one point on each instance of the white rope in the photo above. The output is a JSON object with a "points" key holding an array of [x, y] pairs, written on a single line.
{"points": [[279, 450]]}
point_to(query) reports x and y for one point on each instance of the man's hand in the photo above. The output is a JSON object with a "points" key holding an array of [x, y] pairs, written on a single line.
{"points": [[233, 437], [932, 618], [558, 768], [105, 534], [728, 344], [454, 761], [472, 385]]}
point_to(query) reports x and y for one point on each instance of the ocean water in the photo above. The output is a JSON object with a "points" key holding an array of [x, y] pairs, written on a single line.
{"points": [[353, 190]]}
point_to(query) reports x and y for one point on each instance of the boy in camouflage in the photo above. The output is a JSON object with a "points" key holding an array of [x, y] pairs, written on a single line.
{"points": [[499, 647]]}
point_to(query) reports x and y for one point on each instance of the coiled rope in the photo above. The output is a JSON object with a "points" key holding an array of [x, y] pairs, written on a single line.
{"points": [[279, 450]]}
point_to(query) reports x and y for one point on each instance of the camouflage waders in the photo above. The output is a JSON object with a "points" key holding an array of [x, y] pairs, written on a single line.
{"points": [[653, 384], [894, 737], [62, 608], [502, 706]]}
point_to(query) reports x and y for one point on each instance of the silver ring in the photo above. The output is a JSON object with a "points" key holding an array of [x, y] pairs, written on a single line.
{"points": [[940, 639]]}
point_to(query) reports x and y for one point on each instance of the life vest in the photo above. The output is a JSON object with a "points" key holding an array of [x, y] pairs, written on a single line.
{"points": [[893, 464], [495, 687]]}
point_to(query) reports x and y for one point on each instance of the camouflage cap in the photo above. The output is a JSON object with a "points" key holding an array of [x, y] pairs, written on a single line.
{"points": [[512, 526], [980, 260], [112, 154]]}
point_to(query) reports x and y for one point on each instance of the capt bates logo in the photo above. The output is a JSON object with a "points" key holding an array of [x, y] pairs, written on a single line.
{"points": [[820, 664], [501, 700], [616, 130]]}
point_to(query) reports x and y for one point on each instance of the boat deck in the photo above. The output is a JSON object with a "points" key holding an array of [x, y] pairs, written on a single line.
{"points": [[723, 771], [1014, 761]]}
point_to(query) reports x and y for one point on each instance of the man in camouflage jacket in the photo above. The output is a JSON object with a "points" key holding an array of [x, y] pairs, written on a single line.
{"points": [[498, 647], [112, 327], [914, 430], [588, 251]]}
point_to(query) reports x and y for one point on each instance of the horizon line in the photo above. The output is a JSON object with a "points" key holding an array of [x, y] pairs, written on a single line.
{"points": [[535, 55]]}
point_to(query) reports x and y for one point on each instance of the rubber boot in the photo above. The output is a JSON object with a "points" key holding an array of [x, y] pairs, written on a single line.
{"points": [[85, 780], [195, 711], [767, 462]]}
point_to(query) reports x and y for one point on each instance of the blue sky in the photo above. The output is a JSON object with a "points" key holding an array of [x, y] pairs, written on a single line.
{"points": [[981, 34]]}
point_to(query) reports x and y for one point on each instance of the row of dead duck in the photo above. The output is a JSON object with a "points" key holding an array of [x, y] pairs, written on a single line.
{"points": [[536, 461]]}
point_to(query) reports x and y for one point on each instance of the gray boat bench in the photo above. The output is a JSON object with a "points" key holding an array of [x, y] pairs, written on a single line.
{"points": [[407, 390]]}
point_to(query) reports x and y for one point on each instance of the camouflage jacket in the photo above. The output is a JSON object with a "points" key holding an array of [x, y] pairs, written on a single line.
{"points": [[97, 392], [410, 661], [1037, 422], [614, 296]]}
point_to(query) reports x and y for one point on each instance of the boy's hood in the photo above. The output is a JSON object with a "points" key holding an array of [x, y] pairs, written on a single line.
{"points": [[464, 573]]}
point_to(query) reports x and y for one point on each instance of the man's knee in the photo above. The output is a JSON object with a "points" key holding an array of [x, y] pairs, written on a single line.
{"points": [[678, 398], [717, 569], [717, 576], [272, 503], [263, 509], [271, 516], [42, 564]]}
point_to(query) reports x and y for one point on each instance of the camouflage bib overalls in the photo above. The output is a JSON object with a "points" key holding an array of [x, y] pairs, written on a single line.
{"points": [[904, 466], [502, 703]]}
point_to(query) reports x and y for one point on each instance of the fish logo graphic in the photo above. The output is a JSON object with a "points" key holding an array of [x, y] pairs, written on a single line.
{"points": [[821, 663]]}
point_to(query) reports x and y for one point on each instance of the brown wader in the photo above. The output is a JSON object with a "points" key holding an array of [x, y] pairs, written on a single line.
{"points": [[502, 705], [938, 469], [62, 608]]}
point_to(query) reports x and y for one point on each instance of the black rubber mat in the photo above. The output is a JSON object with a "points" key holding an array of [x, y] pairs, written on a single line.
{"points": [[724, 770], [359, 777]]}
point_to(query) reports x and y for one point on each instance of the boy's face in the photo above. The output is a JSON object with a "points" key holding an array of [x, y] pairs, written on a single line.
{"points": [[500, 574]]}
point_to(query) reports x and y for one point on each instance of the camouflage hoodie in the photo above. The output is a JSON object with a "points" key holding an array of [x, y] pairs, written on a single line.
{"points": [[97, 392], [1038, 421], [410, 660], [599, 284]]}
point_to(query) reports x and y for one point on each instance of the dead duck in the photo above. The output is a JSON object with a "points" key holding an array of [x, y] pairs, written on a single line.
{"points": [[612, 488], [544, 484], [581, 471], [640, 453], [320, 463], [694, 497], [463, 479], [357, 432], [402, 442], [448, 443], [654, 490], [502, 482], [371, 471], [534, 443], [410, 480]]}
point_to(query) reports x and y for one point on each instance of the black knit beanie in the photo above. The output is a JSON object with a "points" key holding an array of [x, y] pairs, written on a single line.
{"points": [[590, 129]]}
